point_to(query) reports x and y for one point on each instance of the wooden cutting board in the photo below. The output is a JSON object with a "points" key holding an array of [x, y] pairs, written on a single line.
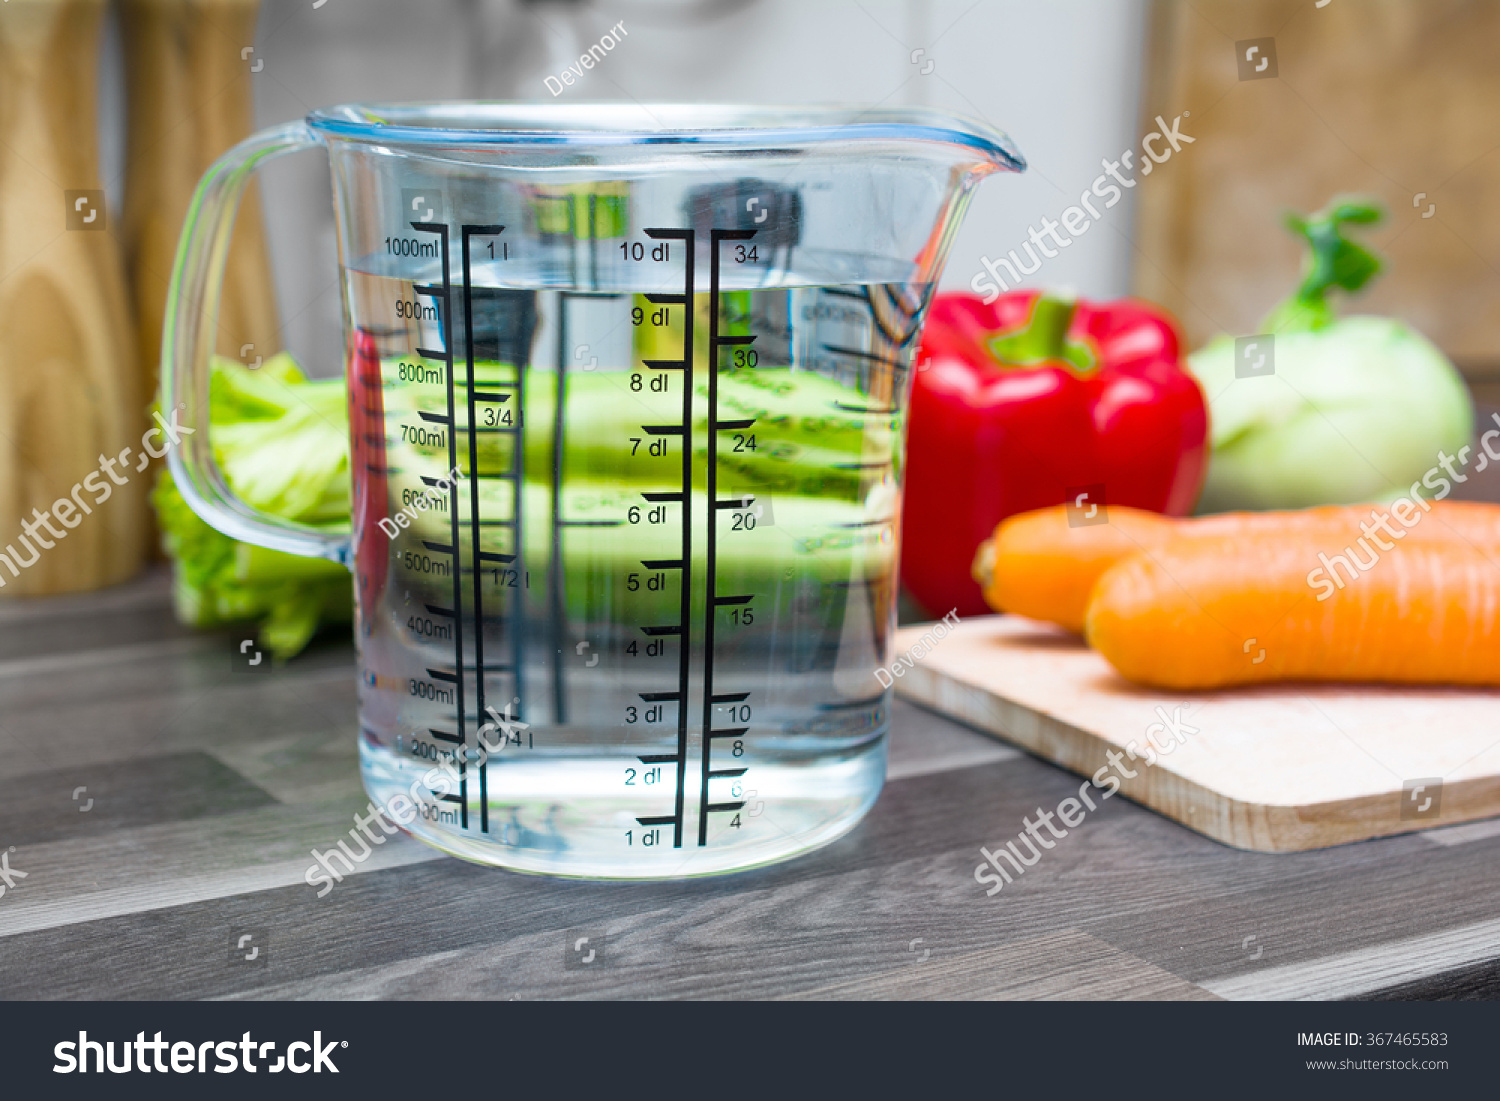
{"points": [[1274, 769]]}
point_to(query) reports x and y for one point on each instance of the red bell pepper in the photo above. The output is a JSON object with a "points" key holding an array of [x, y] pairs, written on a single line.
{"points": [[1032, 401]]}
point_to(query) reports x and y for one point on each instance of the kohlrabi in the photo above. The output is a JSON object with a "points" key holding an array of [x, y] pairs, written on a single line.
{"points": [[1339, 410]]}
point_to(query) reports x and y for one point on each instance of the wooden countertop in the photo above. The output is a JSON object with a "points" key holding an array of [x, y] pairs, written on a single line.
{"points": [[209, 787]]}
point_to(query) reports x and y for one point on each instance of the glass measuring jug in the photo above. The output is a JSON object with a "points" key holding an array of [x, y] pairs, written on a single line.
{"points": [[627, 391]]}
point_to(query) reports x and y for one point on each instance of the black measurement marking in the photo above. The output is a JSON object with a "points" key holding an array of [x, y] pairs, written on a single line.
{"points": [[857, 353], [863, 701], [715, 342], [445, 319], [875, 410], [466, 234], [684, 629]]}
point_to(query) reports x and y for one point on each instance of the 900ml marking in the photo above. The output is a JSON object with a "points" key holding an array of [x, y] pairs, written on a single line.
{"points": [[415, 311]]}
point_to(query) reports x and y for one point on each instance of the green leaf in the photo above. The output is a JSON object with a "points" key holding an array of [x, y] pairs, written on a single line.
{"points": [[1333, 261]]}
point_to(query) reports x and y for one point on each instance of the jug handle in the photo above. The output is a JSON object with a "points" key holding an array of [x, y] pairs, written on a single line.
{"points": [[187, 345]]}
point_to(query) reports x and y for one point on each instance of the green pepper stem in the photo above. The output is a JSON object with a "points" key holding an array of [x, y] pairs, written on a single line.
{"points": [[1333, 261], [1044, 338]]}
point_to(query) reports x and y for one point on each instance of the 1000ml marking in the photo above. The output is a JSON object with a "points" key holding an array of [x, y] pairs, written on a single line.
{"points": [[410, 246]]}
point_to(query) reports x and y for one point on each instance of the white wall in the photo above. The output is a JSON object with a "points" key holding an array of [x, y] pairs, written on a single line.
{"points": [[1060, 77]]}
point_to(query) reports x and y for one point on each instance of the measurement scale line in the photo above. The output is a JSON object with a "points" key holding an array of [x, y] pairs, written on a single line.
{"points": [[660, 819], [440, 230], [434, 418], [732, 732], [493, 556], [864, 701], [730, 697], [732, 426], [860, 466], [440, 674], [428, 353], [665, 364], [662, 563], [579, 523], [732, 341], [433, 609], [654, 632], [467, 232], [729, 601], [735, 502], [685, 587], [875, 409], [444, 735], [715, 341], [663, 429], [440, 548], [724, 806], [656, 758], [874, 357], [727, 773], [660, 697]]}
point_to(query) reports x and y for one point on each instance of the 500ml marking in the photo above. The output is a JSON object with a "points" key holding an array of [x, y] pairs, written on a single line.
{"points": [[423, 564]]}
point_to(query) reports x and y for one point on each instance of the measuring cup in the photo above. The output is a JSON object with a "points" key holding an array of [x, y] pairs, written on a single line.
{"points": [[626, 395]]}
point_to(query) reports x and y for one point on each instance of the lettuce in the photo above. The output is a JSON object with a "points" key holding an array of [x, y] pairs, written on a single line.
{"points": [[283, 444]]}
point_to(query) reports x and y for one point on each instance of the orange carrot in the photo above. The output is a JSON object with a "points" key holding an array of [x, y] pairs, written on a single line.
{"points": [[1231, 610], [1041, 565]]}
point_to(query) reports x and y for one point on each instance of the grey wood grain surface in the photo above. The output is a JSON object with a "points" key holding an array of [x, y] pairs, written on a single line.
{"points": [[210, 786]]}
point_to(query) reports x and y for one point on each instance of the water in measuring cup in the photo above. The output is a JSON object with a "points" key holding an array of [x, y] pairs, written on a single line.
{"points": [[659, 585]]}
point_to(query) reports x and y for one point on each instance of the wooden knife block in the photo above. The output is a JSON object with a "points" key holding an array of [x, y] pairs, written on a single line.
{"points": [[70, 385]]}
